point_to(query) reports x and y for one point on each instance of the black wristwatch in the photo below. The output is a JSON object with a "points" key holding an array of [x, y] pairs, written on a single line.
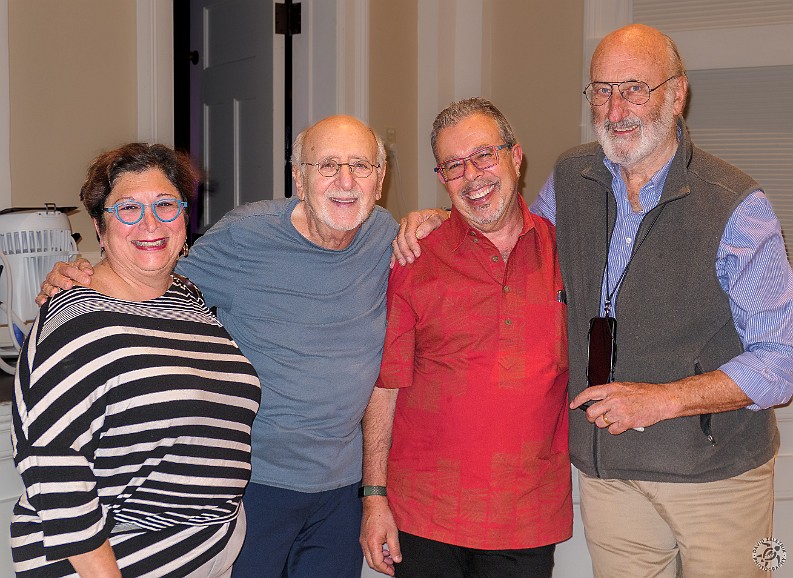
{"points": [[364, 491]]}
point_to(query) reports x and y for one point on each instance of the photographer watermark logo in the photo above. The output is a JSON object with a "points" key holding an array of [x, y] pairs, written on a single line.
{"points": [[769, 554]]}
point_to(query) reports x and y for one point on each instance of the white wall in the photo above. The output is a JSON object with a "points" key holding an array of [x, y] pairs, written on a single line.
{"points": [[5, 161]]}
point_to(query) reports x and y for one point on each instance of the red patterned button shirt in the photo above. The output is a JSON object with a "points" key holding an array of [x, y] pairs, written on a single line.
{"points": [[478, 348]]}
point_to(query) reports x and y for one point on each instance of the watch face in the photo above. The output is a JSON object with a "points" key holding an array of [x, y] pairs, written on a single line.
{"points": [[364, 491]]}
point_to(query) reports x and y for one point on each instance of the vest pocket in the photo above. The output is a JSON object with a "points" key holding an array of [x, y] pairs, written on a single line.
{"points": [[705, 418]]}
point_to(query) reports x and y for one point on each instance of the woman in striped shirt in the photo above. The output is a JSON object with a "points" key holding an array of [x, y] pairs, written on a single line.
{"points": [[132, 405]]}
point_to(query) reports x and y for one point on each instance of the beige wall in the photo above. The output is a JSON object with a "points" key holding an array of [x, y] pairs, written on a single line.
{"points": [[537, 49], [73, 89], [73, 94], [393, 68], [531, 69]]}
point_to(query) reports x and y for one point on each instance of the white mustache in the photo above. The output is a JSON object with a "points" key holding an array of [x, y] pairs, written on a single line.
{"points": [[342, 194], [478, 184], [624, 124]]}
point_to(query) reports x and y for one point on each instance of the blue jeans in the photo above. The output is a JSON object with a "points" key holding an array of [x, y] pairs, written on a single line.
{"points": [[301, 535]]}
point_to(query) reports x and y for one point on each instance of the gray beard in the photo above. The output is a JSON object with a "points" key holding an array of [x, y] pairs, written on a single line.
{"points": [[628, 153]]}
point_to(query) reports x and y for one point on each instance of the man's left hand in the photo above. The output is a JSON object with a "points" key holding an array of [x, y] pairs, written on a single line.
{"points": [[379, 535], [621, 406]]}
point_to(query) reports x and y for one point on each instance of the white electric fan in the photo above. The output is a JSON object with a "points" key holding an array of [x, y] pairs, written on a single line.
{"points": [[31, 242]]}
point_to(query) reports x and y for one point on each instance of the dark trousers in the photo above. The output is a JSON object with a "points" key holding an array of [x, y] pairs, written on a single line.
{"points": [[301, 535], [423, 558]]}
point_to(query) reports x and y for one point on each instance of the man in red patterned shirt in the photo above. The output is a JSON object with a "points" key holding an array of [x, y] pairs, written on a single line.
{"points": [[472, 394]]}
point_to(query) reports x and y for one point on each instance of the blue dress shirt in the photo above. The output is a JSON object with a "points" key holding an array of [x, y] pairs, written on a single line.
{"points": [[752, 268]]}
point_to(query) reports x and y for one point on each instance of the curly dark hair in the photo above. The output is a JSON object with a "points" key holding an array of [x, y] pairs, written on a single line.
{"points": [[106, 169]]}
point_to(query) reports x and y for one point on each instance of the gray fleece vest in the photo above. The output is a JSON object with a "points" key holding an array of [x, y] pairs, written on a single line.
{"points": [[673, 318]]}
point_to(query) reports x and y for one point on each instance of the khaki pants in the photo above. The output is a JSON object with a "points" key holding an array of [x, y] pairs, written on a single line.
{"points": [[670, 530], [220, 565]]}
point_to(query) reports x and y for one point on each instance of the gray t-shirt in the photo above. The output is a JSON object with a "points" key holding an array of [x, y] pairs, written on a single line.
{"points": [[312, 322]]}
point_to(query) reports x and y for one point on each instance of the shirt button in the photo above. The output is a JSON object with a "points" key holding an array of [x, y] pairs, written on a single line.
{"points": [[476, 239], [506, 288], [508, 322], [628, 240], [494, 258]]}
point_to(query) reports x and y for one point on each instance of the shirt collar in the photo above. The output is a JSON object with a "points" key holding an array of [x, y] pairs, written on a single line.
{"points": [[460, 229]]}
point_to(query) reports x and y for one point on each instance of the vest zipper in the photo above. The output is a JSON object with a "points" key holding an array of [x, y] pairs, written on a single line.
{"points": [[704, 418], [595, 435]]}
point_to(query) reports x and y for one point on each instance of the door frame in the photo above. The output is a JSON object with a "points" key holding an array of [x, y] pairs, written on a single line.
{"points": [[155, 70]]}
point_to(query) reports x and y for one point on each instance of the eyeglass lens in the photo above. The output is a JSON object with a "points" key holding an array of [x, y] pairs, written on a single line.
{"points": [[330, 168], [165, 211], [634, 91], [481, 159]]}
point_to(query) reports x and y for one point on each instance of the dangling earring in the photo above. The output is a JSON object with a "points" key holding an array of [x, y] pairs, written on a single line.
{"points": [[185, 250]]}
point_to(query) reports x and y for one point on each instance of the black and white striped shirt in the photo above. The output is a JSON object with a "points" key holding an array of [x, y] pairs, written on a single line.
{"points": [[131, 422]]}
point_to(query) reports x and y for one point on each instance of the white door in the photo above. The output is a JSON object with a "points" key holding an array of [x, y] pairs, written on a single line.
{"points": [[237, 124], [234, 124]]}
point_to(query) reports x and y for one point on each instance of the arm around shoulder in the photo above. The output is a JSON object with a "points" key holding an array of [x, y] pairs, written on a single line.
{"points": [[65, 276], [416, 225]]}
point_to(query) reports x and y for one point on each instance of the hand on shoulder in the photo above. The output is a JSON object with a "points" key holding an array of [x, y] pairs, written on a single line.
{"points": [[416, 225], [65, 276]]}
